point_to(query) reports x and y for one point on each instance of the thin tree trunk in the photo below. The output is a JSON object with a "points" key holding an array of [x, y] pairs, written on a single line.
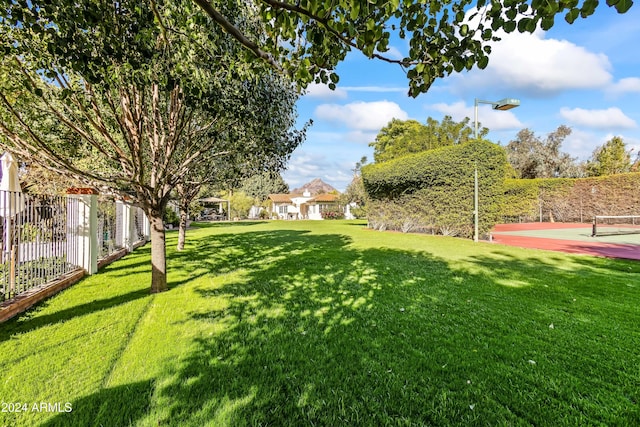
{"points": [[182, 231], [158, 254]]}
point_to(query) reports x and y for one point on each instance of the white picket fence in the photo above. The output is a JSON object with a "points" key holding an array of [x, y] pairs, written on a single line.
{"points": [[46, 237]]}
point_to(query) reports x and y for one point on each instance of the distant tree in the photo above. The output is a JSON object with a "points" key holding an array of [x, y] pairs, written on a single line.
{"points": [[259, 186], [355, 192], [635, 167], [400, 138], [239, 203], [357, 169], [35, 179], [532, 157], [610, 158]]}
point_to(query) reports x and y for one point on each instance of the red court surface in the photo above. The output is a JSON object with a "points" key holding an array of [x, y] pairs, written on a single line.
{"points": [[544, 240]]}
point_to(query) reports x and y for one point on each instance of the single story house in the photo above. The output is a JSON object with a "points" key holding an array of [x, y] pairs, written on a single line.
{"points": [[302, 206]]}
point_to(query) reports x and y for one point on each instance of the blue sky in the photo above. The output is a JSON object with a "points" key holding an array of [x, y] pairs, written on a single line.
{"points": [[585, 76]]}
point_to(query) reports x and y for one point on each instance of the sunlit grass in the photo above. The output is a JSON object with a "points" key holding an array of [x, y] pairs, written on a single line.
{"points": [[327, 323]]}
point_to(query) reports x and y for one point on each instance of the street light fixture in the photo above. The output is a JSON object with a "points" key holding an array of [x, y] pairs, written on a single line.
{"points": [[502, 105]]}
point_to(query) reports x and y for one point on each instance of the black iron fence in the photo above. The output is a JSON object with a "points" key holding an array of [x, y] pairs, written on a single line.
{"points": [[43, 238], [37, 240]]}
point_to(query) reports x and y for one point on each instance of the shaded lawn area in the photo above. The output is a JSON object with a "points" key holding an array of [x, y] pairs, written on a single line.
{"points": [[326, 323]]}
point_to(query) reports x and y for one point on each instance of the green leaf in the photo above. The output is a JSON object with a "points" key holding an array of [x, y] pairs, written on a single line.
{"points": [[371, 25], [624, 5], [458, 64], [483, 61], [509, 26], [547, 22], [355, 11], [464, 30], [572, 15], [588, 7]]}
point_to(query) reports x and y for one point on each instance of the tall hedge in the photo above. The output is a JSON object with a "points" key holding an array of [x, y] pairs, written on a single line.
{"points": [[433, 191]]}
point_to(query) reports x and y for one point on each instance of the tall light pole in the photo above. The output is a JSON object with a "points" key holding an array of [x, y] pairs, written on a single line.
{"points": [[502, 105]]}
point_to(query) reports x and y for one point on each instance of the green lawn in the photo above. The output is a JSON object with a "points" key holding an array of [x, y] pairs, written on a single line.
{"points": [[327, 324]]}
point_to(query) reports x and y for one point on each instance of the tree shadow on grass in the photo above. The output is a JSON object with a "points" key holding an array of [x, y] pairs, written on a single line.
{"points": [[23, 326], [33, 319], [116, 406], [318, 332], [226, 224]]}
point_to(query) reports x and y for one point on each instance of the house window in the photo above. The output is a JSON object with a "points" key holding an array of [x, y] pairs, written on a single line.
{"points": [[282, 209]]}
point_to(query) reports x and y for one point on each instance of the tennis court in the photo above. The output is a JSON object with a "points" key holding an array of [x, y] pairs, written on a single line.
{"points": [[567, 237]]}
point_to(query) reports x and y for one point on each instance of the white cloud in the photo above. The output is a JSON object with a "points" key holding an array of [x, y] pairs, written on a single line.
{"points": [[322, 91], [581, 144], [487, 116], [538, 66], [361, 137], [366, 116], [392, 53], [599, 119], [624, 86], [304, 167]]}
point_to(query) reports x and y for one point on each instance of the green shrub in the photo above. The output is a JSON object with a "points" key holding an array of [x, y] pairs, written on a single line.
{"points": [[333, 212], [571, 200], [171, 217], [433, 191]]}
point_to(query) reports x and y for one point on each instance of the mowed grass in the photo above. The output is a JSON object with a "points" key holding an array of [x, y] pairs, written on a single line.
{"points": [[327, 323]]}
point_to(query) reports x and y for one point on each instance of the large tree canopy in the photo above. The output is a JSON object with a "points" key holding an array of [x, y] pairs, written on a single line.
{"points": [[610, 158], [308, 38], [532, 157], [400, 138], [138, 98]]}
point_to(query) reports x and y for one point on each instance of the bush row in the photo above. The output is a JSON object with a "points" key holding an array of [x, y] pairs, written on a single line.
{"points": [[571, 200], [433, 191]]}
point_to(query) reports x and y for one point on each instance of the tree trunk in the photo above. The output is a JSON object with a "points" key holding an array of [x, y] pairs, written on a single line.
{"points": [[158, 253], [182, 231]]}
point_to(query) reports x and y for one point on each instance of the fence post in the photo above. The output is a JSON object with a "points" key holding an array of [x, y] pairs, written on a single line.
{"points": [[85, 254], [146, 226], [123, 226], [126, 225], [131, 211]]}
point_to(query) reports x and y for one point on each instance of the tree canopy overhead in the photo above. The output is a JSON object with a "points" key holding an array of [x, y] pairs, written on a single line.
{"points": [[140, 98], [308, 38]]}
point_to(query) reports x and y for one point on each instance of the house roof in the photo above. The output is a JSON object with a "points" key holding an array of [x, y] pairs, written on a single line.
{"points": [[280, 198], [212, 200], [325, 198], [287, 198]]}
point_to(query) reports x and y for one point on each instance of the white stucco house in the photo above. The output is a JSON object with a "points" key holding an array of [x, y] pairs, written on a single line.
{"points": [[302, 206]]}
